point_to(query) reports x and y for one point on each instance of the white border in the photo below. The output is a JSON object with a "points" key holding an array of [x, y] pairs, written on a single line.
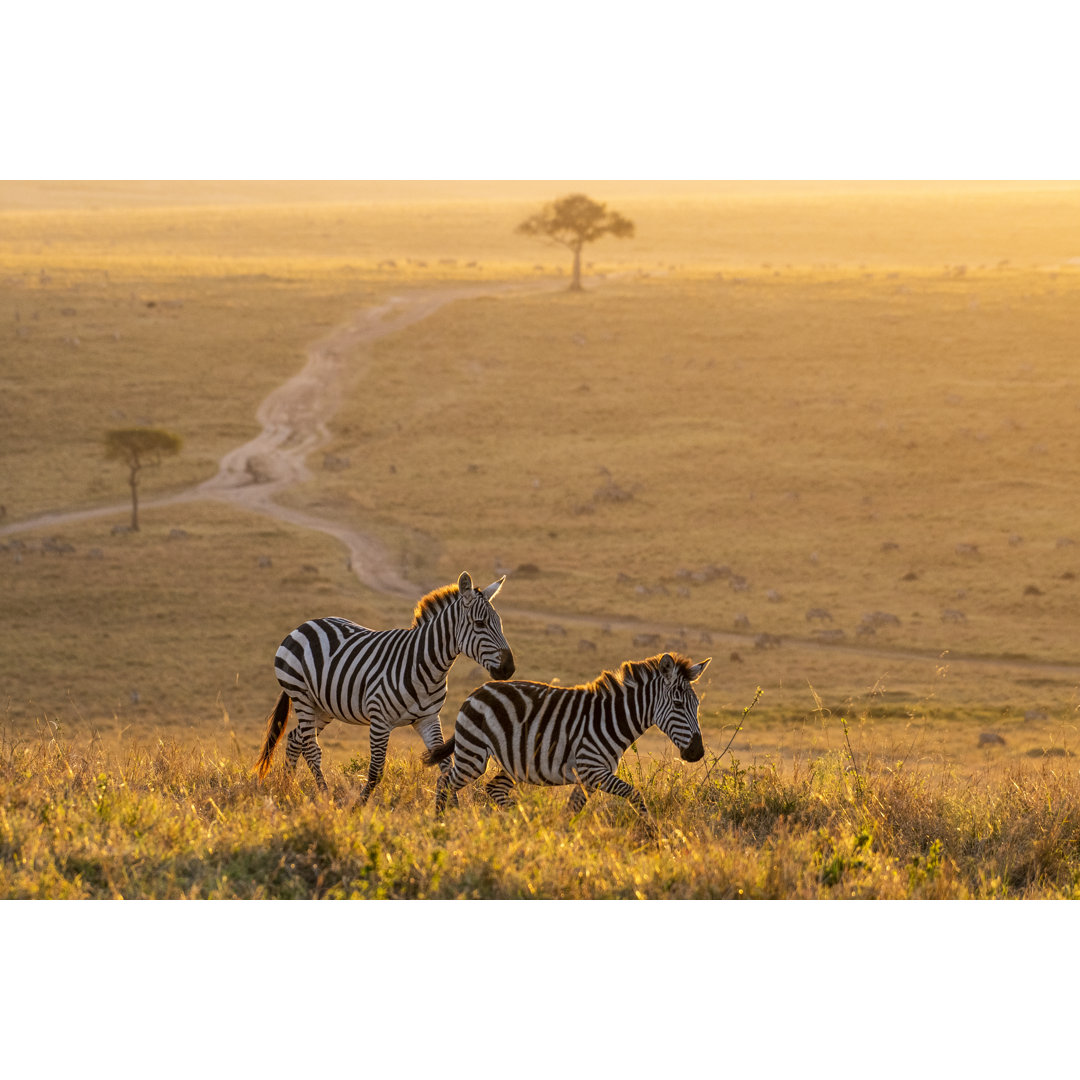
{"points": [[931, 89]]}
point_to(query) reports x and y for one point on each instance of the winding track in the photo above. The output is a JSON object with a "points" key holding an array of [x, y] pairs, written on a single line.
{"points": [[294, 421]]}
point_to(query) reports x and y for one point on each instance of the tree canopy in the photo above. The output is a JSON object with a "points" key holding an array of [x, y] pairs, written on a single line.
{"points": [[145, 445], [574, 221]]}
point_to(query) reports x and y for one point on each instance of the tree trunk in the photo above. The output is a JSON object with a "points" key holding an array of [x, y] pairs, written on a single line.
{"points": [[133, 480], [575, 281]]}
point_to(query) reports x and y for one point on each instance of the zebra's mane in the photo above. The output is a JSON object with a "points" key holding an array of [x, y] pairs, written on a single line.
{"points": [[631, 671], [429, 606]]}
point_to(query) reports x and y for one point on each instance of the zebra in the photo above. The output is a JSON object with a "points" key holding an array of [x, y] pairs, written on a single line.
{"points": [[333, 668], [553, 735]]}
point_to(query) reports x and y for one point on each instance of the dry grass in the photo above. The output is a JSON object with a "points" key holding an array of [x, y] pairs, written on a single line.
{"points": [[170, 820]]}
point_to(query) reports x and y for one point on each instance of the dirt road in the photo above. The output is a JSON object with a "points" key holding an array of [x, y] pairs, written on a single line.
{"points": [[294, 420]]}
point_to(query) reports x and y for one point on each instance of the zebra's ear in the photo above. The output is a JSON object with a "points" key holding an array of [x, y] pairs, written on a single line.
{"points": [[697, 669], [667, 665], [492, 590], [464, 583]]}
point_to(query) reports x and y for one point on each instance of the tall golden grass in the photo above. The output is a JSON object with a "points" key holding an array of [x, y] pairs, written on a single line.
{"points": [[170, 819]]}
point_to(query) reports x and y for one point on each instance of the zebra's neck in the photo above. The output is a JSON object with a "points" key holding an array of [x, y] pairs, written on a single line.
{"points": [[628, 708], [438, 639]]}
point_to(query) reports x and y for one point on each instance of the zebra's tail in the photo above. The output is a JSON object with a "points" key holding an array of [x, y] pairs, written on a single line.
{"points": [[440, 753], [275, 728]]}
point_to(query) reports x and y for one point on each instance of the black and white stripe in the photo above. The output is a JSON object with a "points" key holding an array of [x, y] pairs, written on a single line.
{"points": [[544, 734], [333, 668]]}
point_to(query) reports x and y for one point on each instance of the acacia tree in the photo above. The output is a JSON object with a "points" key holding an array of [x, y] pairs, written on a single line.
{"points": [[138, 449], [574, 221]]}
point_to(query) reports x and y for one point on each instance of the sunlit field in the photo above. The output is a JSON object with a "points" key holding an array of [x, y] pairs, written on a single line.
{"points": [[186, 819], [822, 434]]}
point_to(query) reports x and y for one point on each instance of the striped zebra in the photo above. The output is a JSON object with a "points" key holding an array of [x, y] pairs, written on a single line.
{"points": [[333, 668], [543, 734]]}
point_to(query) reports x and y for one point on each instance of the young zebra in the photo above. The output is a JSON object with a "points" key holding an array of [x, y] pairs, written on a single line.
{"points": [[544, 734], [332, 667]]}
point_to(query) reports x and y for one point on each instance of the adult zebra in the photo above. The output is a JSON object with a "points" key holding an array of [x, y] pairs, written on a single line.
{"points": [[553, 735], [332, 667]]}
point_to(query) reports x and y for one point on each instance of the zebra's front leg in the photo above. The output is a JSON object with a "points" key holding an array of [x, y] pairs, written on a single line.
{"points": [[613, 785], [429, 728], [380, 736]]}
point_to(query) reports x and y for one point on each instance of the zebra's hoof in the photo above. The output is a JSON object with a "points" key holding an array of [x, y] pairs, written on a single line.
{"points": [[648, 831]]}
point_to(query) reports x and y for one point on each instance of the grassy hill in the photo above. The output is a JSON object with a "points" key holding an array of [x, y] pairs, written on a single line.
{"points": [[774, 401]]}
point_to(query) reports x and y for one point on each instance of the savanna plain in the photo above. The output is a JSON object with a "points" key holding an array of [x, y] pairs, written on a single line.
{"points": [[824, 434]]}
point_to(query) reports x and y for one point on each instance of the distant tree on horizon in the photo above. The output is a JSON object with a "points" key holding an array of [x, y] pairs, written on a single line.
{"points": [[574, 221], [138, 449]]}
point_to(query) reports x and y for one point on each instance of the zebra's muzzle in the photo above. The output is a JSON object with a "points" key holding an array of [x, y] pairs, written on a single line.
{"points": [[505, 667], [695, 751]]}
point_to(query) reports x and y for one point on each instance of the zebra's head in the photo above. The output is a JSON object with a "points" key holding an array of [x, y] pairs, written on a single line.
{"points": [[676, 707], [480, 635]]}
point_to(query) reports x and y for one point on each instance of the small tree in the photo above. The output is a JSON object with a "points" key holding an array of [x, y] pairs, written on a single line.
{"points": [[138, 449], [574, 221]]}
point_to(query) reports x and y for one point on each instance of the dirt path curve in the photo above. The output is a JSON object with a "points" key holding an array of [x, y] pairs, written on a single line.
{"points": [[294, 420]]}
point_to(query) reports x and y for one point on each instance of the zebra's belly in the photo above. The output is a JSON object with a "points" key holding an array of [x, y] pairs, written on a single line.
{"points": [[366, 714], [552, 771], [360, 721], [543, 779]]}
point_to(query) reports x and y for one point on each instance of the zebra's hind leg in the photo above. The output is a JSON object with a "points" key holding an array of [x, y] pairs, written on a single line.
{"points": [[308, 725], [576, 802], [465, 768], [447, 787], [501, 789], [380, 736], [293, 745], [313, 756]]}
